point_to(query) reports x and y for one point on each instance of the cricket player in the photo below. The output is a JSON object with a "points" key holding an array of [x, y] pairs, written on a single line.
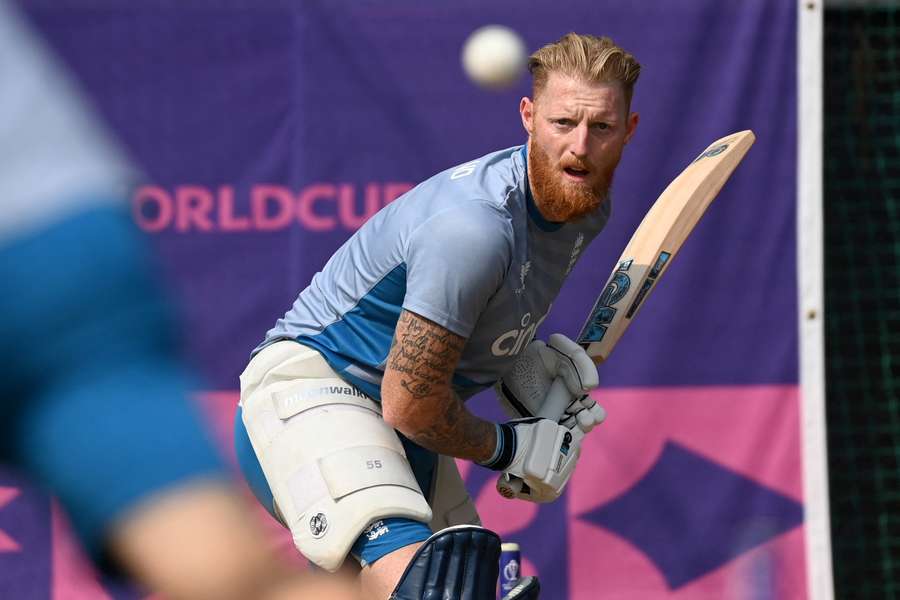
{"points": [[95, 398], [353, 406]]}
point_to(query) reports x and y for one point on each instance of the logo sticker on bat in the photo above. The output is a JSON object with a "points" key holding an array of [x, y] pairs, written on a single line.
{"points": [[658, 266], [712, 152], [604, 311]]}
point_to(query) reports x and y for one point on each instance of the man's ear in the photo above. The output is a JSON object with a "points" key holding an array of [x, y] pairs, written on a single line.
{"points": [[526, 110], [633, 119]]}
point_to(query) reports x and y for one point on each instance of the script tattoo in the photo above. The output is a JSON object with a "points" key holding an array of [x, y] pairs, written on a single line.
{"points": [[421, 362], [424, 353]]}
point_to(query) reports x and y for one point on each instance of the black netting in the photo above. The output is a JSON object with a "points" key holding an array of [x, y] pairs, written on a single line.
{"points": [[862, 293]]}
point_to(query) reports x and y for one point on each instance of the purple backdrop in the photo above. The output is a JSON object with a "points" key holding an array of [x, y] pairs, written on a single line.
{"points": [[357, 93], [269, 130]]}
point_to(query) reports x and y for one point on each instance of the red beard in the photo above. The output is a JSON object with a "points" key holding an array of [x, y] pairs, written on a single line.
{"points": [[561, 200]]}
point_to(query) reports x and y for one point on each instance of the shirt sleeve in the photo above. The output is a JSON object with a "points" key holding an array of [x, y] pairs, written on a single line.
{"points": [[455, 261]]}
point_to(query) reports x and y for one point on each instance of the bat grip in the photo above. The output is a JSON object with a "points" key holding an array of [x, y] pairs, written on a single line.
{"points": [[557, 400], [554, 406]]}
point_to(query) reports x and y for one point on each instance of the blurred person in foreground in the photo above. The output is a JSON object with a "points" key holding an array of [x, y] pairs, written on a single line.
{"points": [[352, 408], [96, 403]]}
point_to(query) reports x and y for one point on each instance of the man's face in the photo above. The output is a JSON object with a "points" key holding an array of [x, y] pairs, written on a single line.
{"points": [[577, 131]]}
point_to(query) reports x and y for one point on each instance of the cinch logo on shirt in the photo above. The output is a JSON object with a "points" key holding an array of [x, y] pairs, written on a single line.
{"points": [[512, 342]]}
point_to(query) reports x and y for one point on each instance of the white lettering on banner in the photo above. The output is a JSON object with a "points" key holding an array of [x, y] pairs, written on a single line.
{"points": [[511, 342], [265, 207]]}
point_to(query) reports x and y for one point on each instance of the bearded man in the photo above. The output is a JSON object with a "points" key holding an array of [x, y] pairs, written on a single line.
{"points": [[352, 408]]}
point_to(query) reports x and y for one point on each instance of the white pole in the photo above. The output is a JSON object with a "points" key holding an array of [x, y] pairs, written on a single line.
{"points": [[811, 304]]}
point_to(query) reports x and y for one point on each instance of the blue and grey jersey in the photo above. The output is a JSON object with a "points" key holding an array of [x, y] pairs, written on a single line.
{"points": [[466, 249]]}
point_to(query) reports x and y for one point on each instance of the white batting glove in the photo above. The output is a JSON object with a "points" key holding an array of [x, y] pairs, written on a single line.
{"points": [[585, 413], [523, 390], [537, 457]]}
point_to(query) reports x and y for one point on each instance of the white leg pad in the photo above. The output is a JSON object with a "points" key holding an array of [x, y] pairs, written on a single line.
{"points": [[333, 464]]}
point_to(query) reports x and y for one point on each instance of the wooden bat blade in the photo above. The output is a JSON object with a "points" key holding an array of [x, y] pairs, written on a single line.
{"points": [[657, 240]]}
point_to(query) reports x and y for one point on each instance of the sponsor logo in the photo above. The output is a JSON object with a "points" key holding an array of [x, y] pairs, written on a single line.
{"points": [[511, 570], [318, 525], [658, 266], [511, 342], [523, 273], [564, 451], [604, 310], [464, 170], [376, 530], [291, 400], [712, 152], [576, 251]]}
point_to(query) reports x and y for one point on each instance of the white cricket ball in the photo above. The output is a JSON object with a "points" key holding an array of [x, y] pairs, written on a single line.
{"points": [[494, 56]]}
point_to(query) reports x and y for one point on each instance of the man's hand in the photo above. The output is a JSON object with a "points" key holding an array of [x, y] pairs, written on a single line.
{"points": [[537, 457], [524, 389]]}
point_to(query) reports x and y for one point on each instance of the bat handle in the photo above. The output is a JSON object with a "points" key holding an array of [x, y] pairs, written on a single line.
{"points": [[558, 399]]}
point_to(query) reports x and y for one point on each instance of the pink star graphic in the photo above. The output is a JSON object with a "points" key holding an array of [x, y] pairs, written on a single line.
{"points": [[7, 544]]}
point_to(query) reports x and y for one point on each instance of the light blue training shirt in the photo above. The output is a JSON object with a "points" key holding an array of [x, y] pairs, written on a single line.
{"points": [[467, 249]]}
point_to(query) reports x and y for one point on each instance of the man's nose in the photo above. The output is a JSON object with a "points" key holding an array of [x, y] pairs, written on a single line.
{"points": [[580, 140]]}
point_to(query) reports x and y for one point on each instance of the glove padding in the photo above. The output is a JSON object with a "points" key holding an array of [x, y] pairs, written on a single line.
{"points": [[524, 389], [537, 457], [584, 412]]}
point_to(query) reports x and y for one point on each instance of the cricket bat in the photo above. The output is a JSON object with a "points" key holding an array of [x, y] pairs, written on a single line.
{"points": [[651, 249], [649, 253]]}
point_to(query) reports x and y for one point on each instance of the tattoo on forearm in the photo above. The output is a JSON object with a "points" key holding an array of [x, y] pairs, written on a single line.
{"points": [[424, 353], [458, 433], [423, 356]]}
